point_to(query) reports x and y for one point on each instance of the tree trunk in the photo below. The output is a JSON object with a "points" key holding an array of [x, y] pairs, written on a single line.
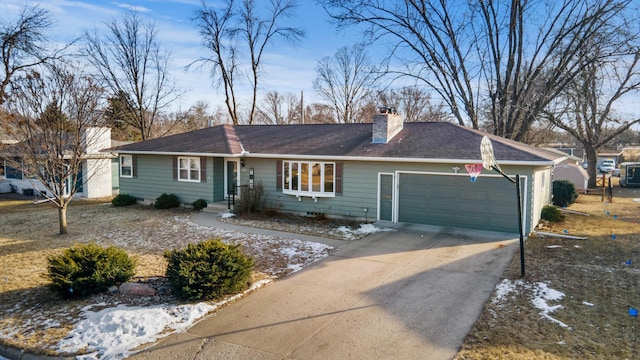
{"points": [[62, 217], [592, 159]]}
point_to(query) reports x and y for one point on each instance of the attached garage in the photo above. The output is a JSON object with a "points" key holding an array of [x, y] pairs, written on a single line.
{"points": [[453, 201]]}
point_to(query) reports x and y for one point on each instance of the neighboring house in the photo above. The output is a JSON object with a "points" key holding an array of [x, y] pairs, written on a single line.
{"points": [[96, 169], [388, 170], [630, 154]]}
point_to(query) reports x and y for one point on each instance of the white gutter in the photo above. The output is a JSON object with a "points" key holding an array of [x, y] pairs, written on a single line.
{"points": [[246, 154]]}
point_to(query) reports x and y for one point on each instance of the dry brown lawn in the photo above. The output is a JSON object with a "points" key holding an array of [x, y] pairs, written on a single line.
{"points": [[593, 271], [34, 319], [594, 274]]}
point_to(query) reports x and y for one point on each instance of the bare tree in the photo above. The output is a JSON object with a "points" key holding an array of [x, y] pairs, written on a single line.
{"points": [[277, 109], [515, 55], [345, 80], [586, 108], [215, 25], [259, 31], [413, 103], [228, 30], [128, 60], [318, 113], [56, 118], [24, 45], [198, 116]]}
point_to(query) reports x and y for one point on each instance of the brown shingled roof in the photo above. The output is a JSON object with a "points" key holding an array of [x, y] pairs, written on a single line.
{"points": [[427, 140]]}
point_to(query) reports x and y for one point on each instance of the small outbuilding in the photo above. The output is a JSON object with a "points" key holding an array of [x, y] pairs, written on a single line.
{"points": [[573, 173]]}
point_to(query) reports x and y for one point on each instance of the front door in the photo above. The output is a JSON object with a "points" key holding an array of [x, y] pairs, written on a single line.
{"points": [[231, 177], [385, 197]]}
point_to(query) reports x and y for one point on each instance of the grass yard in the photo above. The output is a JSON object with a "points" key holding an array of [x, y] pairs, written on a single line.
{"points": [[599, 277], [600, 280], [35, 319]]}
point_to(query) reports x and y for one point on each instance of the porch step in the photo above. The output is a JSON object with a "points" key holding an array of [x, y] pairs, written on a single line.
{"points": [[219, 207]]}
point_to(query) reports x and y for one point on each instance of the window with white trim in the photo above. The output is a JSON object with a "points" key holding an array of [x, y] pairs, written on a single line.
{"points": [[126, 166], [308, 178], [189, 169]]}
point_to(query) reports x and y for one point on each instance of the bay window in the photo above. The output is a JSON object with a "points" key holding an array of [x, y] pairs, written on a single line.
{"points": [[308, 178]]}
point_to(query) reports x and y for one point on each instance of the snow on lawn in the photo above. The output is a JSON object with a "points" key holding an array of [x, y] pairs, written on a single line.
{"points": [[541, 295], [364, 229], [112, 332], [227, 215]]}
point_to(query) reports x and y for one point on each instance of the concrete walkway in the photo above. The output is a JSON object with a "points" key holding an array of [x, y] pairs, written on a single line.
{"points": [[409, 294]]}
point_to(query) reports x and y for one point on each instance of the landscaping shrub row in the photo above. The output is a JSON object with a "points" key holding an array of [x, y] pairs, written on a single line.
{"points": [[164, 201], [203, 271]]}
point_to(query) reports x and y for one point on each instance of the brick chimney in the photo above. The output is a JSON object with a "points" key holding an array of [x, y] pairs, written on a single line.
{"points": [[386, 124]]}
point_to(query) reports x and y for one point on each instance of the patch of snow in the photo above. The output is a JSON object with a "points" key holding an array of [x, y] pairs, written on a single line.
{"points": [[504, 288], [543, 294], [309, 252], [227, 215], [364, 229], [577, 246], [587, 303], [553, 246], [112, 332]]}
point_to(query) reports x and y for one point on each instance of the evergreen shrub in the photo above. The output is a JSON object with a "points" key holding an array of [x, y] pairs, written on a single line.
{"points": [[124, 200], [199, 204], [165, 201], [564, 193], [551, 214], [89, 269], [208, 270]]}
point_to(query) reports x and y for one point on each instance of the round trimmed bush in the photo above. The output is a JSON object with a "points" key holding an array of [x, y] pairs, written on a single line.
{"points": [[551, 214], [564, 193], [124, 200], [208, 270], [89, 269], [199, 204], [165, 201]]}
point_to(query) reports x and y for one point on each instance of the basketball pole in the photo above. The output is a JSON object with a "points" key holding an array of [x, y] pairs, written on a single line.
{"points": [[517, 182]]}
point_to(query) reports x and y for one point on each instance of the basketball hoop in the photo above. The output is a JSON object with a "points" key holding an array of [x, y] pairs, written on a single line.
{"points": [[473, 170], [489, 162], [488, 158]]}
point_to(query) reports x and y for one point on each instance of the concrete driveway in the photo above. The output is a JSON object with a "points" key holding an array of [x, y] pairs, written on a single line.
{"points": [[409, 294]]}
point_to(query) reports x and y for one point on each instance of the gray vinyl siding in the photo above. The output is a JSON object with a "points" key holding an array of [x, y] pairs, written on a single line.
{"points": [[154, 176], [360, 187], [357, 194]]}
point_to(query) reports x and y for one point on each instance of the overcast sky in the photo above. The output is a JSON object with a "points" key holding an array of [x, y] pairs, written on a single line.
{"points": [[287, 69]]}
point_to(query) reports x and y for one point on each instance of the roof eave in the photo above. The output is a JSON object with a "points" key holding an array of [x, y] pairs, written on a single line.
{"points": [[404, 159], [343, 158], [172, 153]]}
